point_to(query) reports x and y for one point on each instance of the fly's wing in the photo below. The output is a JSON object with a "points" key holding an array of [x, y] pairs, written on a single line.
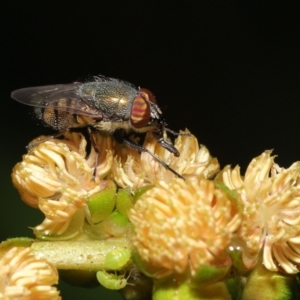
{"points": [[60, 97]]}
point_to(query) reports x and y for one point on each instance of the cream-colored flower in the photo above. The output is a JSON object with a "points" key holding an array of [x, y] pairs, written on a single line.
{"points": [[58, 177], [135, 170], [181, 224], [271, 215], [25, 276]]}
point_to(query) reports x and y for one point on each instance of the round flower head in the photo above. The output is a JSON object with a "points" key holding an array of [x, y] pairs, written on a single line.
{"points": [[180, 225], [135, 170], [25, 276], [58, 177], [271, 199]]}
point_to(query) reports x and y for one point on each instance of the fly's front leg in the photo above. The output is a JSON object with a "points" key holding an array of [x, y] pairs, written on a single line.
{"points": [[122, 138], [177, 133], [159, 136]]}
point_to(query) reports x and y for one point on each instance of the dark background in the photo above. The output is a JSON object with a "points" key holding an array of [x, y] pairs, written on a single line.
{"points": [[226, 70]]}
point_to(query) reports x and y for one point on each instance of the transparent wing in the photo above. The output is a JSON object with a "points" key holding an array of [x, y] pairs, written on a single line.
{"points": [[64, 97]]}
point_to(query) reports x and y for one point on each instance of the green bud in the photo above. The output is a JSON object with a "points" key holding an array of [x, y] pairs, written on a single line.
{"points": [[124, 201], [117, 259], [102, 204], [115, 225], [207, 275], [268, 285], [140, 191]]}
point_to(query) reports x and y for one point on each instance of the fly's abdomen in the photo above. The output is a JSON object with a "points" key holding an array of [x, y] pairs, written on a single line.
{"points": [[60, 117], [57, 119]]}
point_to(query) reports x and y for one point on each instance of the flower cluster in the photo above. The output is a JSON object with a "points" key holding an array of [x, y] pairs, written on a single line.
{"points": [[179, 225], [25, 276], [184, 224], [59, 176], [270, 197]]}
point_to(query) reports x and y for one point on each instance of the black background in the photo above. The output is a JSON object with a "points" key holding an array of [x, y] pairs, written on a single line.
{"points": [[226, 70]]}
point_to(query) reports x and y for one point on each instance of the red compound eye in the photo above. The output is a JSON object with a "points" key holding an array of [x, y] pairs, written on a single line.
{"points": [[140, 112]]}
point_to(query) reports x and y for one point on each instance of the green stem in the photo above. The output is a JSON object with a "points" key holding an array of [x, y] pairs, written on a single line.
{"points": [[79, 255]]}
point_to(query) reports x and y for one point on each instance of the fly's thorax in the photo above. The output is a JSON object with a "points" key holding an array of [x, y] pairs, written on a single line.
{"points": [[110, 96], [115, 108]]}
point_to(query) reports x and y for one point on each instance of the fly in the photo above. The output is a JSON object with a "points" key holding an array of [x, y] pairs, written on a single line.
{"points": [[105, 105]]}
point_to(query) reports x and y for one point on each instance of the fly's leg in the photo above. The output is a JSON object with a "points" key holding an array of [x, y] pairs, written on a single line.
{"points": [[158, 135], [123, 139], [176, 133], [95, 146]]}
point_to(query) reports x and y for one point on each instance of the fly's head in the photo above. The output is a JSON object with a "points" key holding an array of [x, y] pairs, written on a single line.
{"points": [[147, 116]]}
